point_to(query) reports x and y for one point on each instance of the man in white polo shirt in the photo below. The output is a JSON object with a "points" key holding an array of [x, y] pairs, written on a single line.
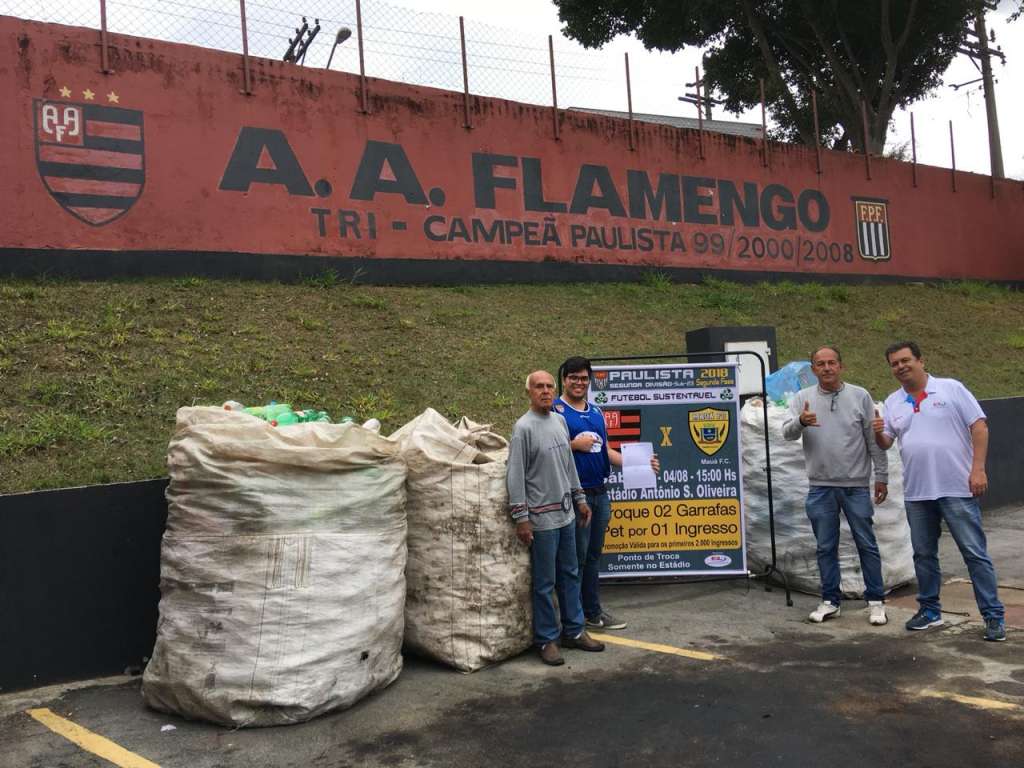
{"points": [[943, 439]]}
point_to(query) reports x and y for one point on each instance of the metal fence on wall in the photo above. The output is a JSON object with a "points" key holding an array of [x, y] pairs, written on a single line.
{"points": [[416, 47], [400, 44]]}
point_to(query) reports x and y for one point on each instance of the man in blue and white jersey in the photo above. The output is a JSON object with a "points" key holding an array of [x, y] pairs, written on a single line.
{"points": [[594, 459]]}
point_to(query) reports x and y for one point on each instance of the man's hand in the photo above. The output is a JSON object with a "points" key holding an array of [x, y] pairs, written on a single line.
{"points": [[655, 463], [978, 482], [524, 531], [582, 443], [582, 515], [881, 492], [808, 417], [878, 423]]}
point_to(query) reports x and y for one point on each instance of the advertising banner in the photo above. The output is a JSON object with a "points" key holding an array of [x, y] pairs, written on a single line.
{"points": [[688, 518]]}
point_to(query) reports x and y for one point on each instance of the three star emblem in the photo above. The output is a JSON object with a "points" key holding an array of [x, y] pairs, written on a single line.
{"points": [[89, 95]]}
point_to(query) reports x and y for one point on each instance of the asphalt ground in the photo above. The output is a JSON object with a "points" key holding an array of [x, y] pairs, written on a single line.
{"points": [[778, 691]]}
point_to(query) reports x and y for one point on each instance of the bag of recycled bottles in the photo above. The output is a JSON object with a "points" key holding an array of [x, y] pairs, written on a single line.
{"points": [[282, 569], [795, 545], [782, 384], [468, 576]]}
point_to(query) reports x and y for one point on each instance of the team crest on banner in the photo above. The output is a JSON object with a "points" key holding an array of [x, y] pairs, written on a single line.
{"points": [[90, 157], [709, 428], [600, 381], [872, 220]]}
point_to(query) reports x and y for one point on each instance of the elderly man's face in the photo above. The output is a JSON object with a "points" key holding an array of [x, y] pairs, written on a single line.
{"points": [[541, 390], [828, 368]]}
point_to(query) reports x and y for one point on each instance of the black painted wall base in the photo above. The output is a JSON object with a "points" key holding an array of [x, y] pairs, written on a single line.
{"points": [[103, 265], [79, 581]]}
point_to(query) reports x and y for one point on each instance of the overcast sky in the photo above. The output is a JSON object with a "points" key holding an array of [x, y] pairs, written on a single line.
{"points": [[657, 80]]}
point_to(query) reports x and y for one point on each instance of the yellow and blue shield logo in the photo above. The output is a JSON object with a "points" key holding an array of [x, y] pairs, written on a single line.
{"points": [[709, 428]]}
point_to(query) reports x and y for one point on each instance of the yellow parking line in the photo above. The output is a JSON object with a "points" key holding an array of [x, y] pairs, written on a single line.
{"points": [[90, 741], [656, 647], [973, 701]]}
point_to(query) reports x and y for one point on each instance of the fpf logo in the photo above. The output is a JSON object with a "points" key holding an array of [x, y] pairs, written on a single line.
{"points": [[90, 156], [871, 216]]}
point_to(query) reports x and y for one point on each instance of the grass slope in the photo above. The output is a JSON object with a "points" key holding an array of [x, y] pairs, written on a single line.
{"points": [[91, 373]]}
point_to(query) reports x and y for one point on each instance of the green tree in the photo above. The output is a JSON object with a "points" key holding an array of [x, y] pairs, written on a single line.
{"points": [[888, 53]]}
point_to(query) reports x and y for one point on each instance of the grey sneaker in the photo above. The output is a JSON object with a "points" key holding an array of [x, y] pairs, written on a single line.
{"points": [[876, 613], [826, 610], [995, 630], [606, 621]]}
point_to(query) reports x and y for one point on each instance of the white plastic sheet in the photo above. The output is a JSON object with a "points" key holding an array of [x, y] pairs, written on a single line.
{"points": [[468, 602], [282, 570], [794, 539]]}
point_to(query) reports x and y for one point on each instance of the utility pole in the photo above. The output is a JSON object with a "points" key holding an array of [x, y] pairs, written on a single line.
{"points": [[981, 54], [699, 99]]}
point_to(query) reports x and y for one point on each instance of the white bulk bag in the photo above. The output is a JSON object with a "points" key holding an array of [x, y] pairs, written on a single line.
{"points": [[281, 579], [794, 540], [468, 576]]}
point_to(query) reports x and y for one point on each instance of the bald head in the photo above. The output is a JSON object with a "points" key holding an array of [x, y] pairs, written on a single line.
{"points": [[540, 388]]}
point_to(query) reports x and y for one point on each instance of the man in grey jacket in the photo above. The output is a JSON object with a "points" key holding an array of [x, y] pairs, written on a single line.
{"points": [[542, 488], [835, 420]]}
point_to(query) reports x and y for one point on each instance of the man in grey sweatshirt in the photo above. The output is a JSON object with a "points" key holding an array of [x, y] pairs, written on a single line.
{"points": [[542, 488], [834, 419]]}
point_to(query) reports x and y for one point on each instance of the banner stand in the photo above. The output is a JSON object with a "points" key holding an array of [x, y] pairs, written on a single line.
{"points": [[772, 568]]}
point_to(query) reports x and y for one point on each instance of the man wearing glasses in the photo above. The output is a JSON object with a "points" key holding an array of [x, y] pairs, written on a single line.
{"points": [[593, 460], [835, 420], [943, 438]]}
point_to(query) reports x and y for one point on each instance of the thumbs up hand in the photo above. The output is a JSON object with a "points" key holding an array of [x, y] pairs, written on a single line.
{"points": [[808, 418], [878, 423]]}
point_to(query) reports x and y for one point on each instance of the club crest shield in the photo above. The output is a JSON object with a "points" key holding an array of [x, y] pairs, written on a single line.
{"points": [[871, 217], [90, 157], [709, 428]]}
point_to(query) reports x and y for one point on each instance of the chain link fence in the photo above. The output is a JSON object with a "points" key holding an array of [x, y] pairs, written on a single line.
{"points": [[424, 48], [401, 44]]}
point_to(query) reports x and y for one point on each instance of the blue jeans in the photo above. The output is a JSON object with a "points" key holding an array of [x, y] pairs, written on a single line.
{"points": [[589, 545], [963, 518], [555, 570], [823, 505]]}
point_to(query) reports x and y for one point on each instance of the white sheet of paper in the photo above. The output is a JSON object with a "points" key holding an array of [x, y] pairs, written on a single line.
{"points": [[636, 466]]}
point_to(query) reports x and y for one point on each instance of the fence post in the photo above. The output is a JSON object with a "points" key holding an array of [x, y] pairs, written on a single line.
{"points": [[629, 103], [764, 129], [104, 54], [246, 76], [700, 114], [362, 65], [952, 155], [913, 149], [817, 129], [554, 91], [867, 150], [467, 123]]}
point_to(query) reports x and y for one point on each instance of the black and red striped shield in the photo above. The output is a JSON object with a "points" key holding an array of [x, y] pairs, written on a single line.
{"points": [[90, 158]]}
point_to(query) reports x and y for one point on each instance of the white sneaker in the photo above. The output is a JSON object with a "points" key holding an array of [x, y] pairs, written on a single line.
{"points": [[825, 610], [877, 615]]}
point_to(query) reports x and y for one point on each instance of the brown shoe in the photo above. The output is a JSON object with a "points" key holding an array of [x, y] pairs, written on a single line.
{"points": [[551, 655], [583, 642]]}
